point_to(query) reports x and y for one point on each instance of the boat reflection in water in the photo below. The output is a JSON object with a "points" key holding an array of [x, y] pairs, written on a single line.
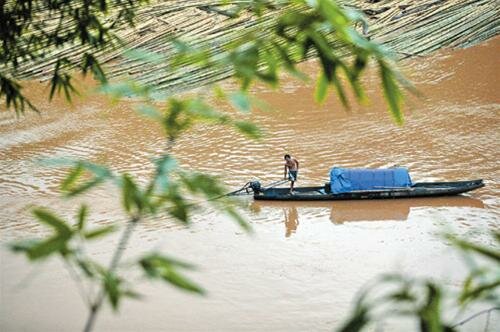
{"points": [[351, 211]]}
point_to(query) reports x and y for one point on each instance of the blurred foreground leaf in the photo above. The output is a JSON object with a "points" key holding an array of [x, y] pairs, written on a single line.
{"points": [[162, 267]]}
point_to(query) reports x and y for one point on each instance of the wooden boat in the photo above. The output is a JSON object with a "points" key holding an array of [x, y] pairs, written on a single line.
{"points": [[323, 193]]}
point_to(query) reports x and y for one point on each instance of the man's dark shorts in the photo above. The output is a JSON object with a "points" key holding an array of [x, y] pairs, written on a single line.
{"points": [[292, 175]]}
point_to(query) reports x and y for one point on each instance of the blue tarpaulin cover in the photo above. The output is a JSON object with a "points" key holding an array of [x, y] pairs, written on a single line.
{"points": [[348, 179]]}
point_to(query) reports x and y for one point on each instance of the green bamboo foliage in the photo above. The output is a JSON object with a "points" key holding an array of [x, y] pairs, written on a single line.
{"points": [[427, 301]]}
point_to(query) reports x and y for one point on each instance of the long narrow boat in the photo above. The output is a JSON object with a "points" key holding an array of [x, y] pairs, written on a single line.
{"points": [[323, 193]]}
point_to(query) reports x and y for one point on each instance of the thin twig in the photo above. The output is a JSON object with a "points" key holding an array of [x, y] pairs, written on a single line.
{"points": [[96, 305], [78, 281], [475, 315], [487, 325]]}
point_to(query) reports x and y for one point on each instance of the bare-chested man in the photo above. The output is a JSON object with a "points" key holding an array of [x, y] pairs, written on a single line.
{"points": [[292, 165]]}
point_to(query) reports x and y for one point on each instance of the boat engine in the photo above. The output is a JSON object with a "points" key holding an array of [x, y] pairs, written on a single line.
{"points": [[255, 186]]}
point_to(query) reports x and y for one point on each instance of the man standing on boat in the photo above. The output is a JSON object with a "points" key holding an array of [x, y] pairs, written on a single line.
{"points": [[292, 165]]}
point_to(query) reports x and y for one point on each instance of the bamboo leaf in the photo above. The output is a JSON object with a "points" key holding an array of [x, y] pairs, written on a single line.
{"points": [[199, 183], [131, 294], [82, 216], [476, 292], [132, 198], [163, 267], [71, 186], [160, 260], [321, 89], [99, 232], [239, 219], [78, 190], [164, 167], [353, 75], [92, 64], [484, 251], [23, 245], [180, 211], [340, 91], [357, 322], [181, 282], [73, 176], [149, 111], [59, 225], [430, 319], [392, 92], [98, 170], [496, 235], [241, 101], [333, 13], [111, 286], [249, 129], [54, 83], [178, 208], [55, 244]]}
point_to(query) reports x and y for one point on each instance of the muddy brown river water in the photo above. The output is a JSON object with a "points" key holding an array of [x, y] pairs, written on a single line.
{"points": [[305, 262]]}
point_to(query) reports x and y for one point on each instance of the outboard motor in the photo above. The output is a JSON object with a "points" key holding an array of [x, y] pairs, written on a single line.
{"points": [[256, 187]]}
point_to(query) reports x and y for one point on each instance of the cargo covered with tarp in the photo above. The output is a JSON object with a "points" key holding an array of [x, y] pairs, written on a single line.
{"points": [[344, 180]]}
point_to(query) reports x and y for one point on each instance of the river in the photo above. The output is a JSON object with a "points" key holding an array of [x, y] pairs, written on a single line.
{"points": [[303, 265]]}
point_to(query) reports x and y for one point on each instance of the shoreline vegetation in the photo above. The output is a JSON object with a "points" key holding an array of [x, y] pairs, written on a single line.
{"points": [[409, 29]]}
